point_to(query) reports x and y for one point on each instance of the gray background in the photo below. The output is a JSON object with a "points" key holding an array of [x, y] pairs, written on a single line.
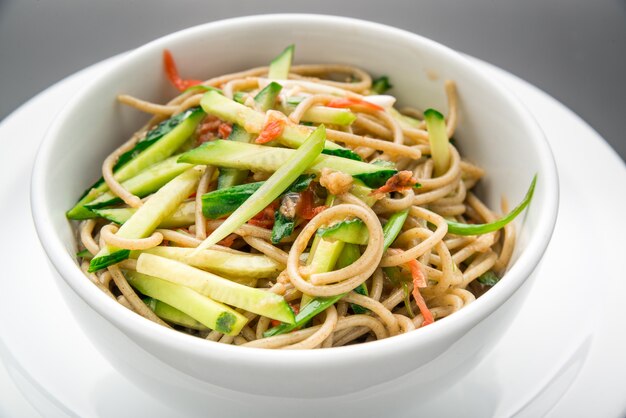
{"points": [[573, 49]]}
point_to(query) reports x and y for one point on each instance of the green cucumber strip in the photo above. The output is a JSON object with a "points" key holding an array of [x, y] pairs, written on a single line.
{"points": [[326, 255], [458, 228], [222, 202], [258, 301], [146, 182], [329, 115], [405, 120], [161, 142], [202, 87], [323, 256], [380, 85], [298, 161], [280, 66], [253, 266], [208, 312], [263, 158], [293, 101], [253, 121], [489, 278], [376, 179], [239, 97], [313, 308], [146, 219], [229, 177], [266, 98], [343, 153], [349, 255], [172, 315], [392, 228], [183, 216], [438, 139], [352, 231], [360, 190]]}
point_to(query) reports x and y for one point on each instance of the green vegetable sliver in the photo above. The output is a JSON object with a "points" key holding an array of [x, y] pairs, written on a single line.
{"points": [[393, 227], [301, 159], [438, 138], [458, 228], [280, 66]]}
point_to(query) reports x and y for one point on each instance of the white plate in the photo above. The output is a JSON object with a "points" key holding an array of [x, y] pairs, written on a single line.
{"points": [[563, 356]]}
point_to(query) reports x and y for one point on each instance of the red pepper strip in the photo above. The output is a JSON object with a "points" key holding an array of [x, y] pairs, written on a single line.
{"points": [[295, 307], [272, 129], [172, 73], [224, 130], [349, 102], [420, 281], [398, 182]]}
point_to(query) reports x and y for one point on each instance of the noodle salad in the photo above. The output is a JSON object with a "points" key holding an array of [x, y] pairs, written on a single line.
{"points": [[291, 206]]}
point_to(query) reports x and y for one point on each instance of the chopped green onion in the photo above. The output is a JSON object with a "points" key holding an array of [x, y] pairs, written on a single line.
{"points": [[458, 228]]}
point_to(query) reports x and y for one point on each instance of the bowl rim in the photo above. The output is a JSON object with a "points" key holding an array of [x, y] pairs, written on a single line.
{"points": [[468, 317]]}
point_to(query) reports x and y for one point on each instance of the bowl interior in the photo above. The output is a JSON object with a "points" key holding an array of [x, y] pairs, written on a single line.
{"points": [[494, 130]]}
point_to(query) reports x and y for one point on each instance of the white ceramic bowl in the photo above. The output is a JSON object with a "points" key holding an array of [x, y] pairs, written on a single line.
{"points": [[494, 131]]}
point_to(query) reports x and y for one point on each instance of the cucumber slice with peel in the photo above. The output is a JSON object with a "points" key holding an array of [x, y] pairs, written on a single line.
{"points": [[146, 182], [329, 115], [352, 231], [270, 159], [146, 219], [253, 122], [172, 315], [208, 312], [280, 66], [254, 266], [183, 216], [438, 139], [261, 302]]}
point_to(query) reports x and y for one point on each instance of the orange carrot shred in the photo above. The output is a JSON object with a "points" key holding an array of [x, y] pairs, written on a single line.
{"points": [[343, 102], [224, 130], [271, 130], [172, 73], [420, 281]]}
